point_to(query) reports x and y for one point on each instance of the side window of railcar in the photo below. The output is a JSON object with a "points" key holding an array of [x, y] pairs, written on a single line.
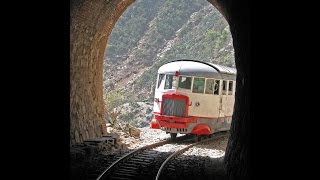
{"points": [[185, 82], [160, 79], [198, 85], [209, 86], [224, 87], [230, 88], [170, 82], [216, 87]]}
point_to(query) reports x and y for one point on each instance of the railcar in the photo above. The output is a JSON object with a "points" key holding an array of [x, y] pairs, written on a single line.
{"points": [[193, 97]]}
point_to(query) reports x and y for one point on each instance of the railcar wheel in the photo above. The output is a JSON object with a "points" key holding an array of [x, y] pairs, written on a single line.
{"points": [[173, 135]]}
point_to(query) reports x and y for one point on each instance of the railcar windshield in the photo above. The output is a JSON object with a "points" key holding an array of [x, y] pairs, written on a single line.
{"points": [[167, 81], [170, 82], [160, 80]]}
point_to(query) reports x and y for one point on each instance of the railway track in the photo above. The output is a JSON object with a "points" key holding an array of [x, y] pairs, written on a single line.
{"points": [[146, 162]]}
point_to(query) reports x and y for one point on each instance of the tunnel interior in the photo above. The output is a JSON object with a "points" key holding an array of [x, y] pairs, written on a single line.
{"points": [[91, 25]]}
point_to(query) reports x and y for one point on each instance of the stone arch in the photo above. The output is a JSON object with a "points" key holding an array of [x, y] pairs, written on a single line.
{"points": [[91, 24]]}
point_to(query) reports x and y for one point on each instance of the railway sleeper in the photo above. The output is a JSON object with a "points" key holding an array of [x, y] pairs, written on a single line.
{"points": [[122, 169], [146, 157], [141, 159], [120, 178], [125, 175], [137, 163], [130, 167]]}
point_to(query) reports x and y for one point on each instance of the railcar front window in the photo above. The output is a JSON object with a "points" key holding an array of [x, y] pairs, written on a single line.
{"points": [[161, 76], [198, 85], [185, 82], [170, 82]]}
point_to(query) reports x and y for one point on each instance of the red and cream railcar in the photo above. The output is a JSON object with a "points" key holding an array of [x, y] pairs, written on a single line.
{"points": [[193, 97]]}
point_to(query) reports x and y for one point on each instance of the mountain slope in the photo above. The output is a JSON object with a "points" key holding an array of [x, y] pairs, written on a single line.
{"points": [[152, 32]]}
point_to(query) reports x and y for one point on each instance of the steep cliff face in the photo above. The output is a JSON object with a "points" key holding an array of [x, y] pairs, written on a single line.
{"points": [[152, 32]]}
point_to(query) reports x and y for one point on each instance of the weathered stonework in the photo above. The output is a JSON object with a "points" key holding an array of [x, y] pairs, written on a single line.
{"points": [[91, 24]]}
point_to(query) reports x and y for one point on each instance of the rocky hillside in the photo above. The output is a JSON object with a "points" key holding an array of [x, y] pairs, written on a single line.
{"points": [[152, 32], [138, 114]]}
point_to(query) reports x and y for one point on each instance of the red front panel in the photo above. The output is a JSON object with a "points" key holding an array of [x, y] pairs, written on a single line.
{"points": [[172, 121], [173, 95]]}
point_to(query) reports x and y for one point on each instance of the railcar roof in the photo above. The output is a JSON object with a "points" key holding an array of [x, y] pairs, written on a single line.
{"points": [[196, 68]]}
